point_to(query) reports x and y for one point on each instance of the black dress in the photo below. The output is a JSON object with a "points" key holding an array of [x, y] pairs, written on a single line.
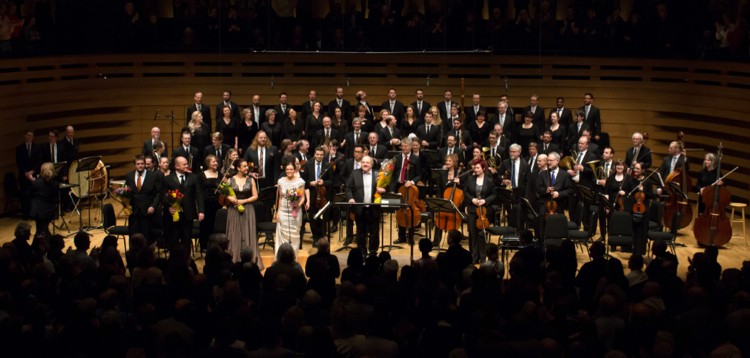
{"points": [[526, 136], [200, 138], [479, 134], [407, 128], [211, 205], [312, 125], [229, 131], [559, 137], [705, 178], [245, 135]]}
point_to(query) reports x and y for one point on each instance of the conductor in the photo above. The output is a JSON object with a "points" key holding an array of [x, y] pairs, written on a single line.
{"points": [[361, 188]]}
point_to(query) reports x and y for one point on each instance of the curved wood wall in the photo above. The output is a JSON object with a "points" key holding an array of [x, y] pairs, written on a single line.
{"points": [[112, 99]]}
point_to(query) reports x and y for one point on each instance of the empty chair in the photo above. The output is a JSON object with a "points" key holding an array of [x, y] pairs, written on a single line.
{"points": [[555, 230], [668, 236], [109, 221], [583, 238], [621, 230]]}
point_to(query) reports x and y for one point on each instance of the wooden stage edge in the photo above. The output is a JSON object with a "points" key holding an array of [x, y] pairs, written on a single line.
{"points": [[730, 256]]}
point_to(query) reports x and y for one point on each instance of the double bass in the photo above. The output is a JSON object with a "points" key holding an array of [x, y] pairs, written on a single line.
{"points": [[712, 227], [450, 221], [678, 202]]}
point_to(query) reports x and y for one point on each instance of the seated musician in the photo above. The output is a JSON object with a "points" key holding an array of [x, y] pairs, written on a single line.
{"points": [[406, 172], [447, 178]]}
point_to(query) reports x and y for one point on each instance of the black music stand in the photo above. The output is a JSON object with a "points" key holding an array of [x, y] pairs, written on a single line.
{"points": [[507, 198], [390, 202], [604, 202], [85, 164], [439, 205], [263, 212], [677, 190], [338, 199], [58, 167]]}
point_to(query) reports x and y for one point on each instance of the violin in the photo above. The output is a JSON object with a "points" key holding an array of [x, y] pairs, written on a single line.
{"points": [[713, 228], [639, 207], [551, 205]]}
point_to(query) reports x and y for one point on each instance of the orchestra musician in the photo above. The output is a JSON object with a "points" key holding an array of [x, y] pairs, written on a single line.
{"points": [[390, 136], [675, 160], [349, 167], [533, 176], [638, 153], [640, 221], [451, 148], [336, 160], [479, 191], [316, 175], [44, 195], [553, 184], [517, 171], [146, 190], [326, 134], [707, 176], [448, 176], [607, 167], [407, 171], [582, 175], [188, 152]]}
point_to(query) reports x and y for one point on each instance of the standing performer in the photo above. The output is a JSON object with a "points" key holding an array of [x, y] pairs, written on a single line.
{"points": [[241, 230], [479, 192], [191, 207], [290, 198], [317, 179], [406, 170], [209, 180], [145, 187], [361, 188]]}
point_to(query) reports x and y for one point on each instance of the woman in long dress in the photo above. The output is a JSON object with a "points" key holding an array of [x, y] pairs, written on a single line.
{"points": [[288, 210], [241, 230]]}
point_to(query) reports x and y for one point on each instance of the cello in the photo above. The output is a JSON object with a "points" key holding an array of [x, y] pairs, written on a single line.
{"points": [[678, 202], [450, 221], [409, 217], [712, 227]]}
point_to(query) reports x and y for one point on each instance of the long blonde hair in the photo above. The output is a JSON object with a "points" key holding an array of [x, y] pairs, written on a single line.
{"points": [[192, 125], [436, 120]]}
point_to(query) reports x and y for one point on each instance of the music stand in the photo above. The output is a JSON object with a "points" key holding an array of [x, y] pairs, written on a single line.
{"points": [[390, 203], [586, 194], [605, 202], [85, 164], [676, 189], [439, 205], [58, 167], [507, 198], [436, 174], [337, 199]]}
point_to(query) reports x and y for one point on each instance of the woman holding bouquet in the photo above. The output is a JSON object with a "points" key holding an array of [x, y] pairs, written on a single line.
{"points": [[241, 231], [290, 199]]}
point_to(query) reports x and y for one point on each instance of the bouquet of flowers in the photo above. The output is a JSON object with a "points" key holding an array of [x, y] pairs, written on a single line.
{"points": [[124, 193], [384, 177], [227, 190], [174, 200], [293, 196]]}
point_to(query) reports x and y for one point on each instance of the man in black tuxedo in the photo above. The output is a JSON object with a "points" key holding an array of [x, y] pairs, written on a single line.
{"points": [[53, 152], [346, 169], [547, 146], [564, 115], [451, 148], [420, 105], [498, 147], [263, 156], [259, 113], [302, 154], [316, 175], [593, 147], [356, 136], [226, 100], [307, 106], [476, 107], [552, 184], [429, 133], [638, 152], [28, 162], [146, 191], [360, 99], [340, 102], [282, 109], [217, 148], [463, 137], [407, 172], [582, 175], [361, 188], [575, 131], [591, 115], [148, 145], [191, 206], [70, 145], [445, 105], [326, 134], [188, 152], [200, 107], [537, 110], [375, 150], [505, 120], [518, 171], [393, 105]]}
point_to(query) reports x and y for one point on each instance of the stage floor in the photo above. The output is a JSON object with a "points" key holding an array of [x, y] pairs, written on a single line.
{"points": [[730, 256]]}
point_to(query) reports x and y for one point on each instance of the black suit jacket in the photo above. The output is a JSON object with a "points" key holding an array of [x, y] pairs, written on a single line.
{"points": [[425, 107], [565, 116], [586, 177], [444, 112], [666, 164], [192, 202], [148, 148], [346, 109], [269, 162], [434, 138], [46, 152], [385, 136], [346, 169], [281, 116], [148, 196], [456, 150], [538, 115], [205, 111], [355, 189], [309, 176], [234, 113], [398, 109], [44, 197], [563, 185], [320, 136], [307, 110], [594, 119], [362, 139], [523, 173], [644, 157], [71, 149], [193, 153], [471, 115], [552, 147], [413, 173], [261, 117], [488, 193], [379, 154], [26, 161], [574, 134], [212, 150]]}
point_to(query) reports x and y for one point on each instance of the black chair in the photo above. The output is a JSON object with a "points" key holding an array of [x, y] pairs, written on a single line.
{"points": [[109, 222], [668, 236], [12, 192], [620, 231], [264, 214], [583, 238], [656, 211], [220, 226], [555, 230]]}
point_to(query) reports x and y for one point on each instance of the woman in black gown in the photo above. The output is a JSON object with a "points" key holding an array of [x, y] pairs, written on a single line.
{"points": [[228, 127], [209, 180], [246, 131], [527, 131]]}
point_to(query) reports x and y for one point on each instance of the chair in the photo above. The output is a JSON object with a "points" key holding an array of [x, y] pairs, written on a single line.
{"points": [[740, 207], [621, 230], [109, 222], [555, 229], [220, 226], [506, 239], [656, 211], [264, 214], [668, 236], [583, 238], [12, 192]]}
